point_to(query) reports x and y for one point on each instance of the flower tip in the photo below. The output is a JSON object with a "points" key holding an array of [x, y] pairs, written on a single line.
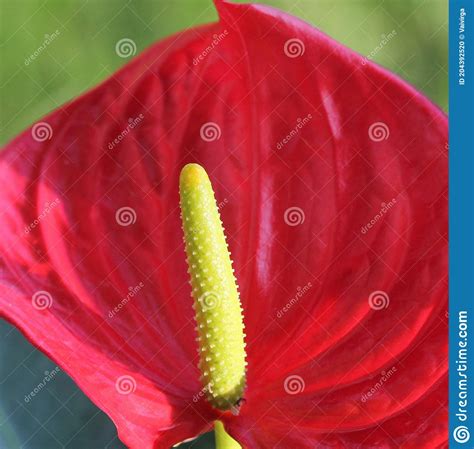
{"points": [[192, 175]]}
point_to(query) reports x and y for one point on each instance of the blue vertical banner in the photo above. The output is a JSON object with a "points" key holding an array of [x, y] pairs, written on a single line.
{"points": [[461, 225]]}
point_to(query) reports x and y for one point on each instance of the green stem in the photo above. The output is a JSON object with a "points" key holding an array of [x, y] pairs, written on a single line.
{"points": [[223, 439]]}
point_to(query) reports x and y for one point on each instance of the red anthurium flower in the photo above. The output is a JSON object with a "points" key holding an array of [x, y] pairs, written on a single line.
{"points": [[330, 174]]}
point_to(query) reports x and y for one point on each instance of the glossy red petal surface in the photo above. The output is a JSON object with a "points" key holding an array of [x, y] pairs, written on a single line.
{"points": [[296, 210]]}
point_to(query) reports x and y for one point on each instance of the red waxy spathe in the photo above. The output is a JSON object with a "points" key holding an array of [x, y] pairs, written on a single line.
{"points": [[303, 140]]}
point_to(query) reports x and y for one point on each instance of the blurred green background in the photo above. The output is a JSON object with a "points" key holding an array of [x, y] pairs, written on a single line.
{"points": [[82, 55]]}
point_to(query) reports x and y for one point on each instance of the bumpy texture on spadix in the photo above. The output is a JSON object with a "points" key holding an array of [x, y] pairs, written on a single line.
{"points": [[214, 289]]}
